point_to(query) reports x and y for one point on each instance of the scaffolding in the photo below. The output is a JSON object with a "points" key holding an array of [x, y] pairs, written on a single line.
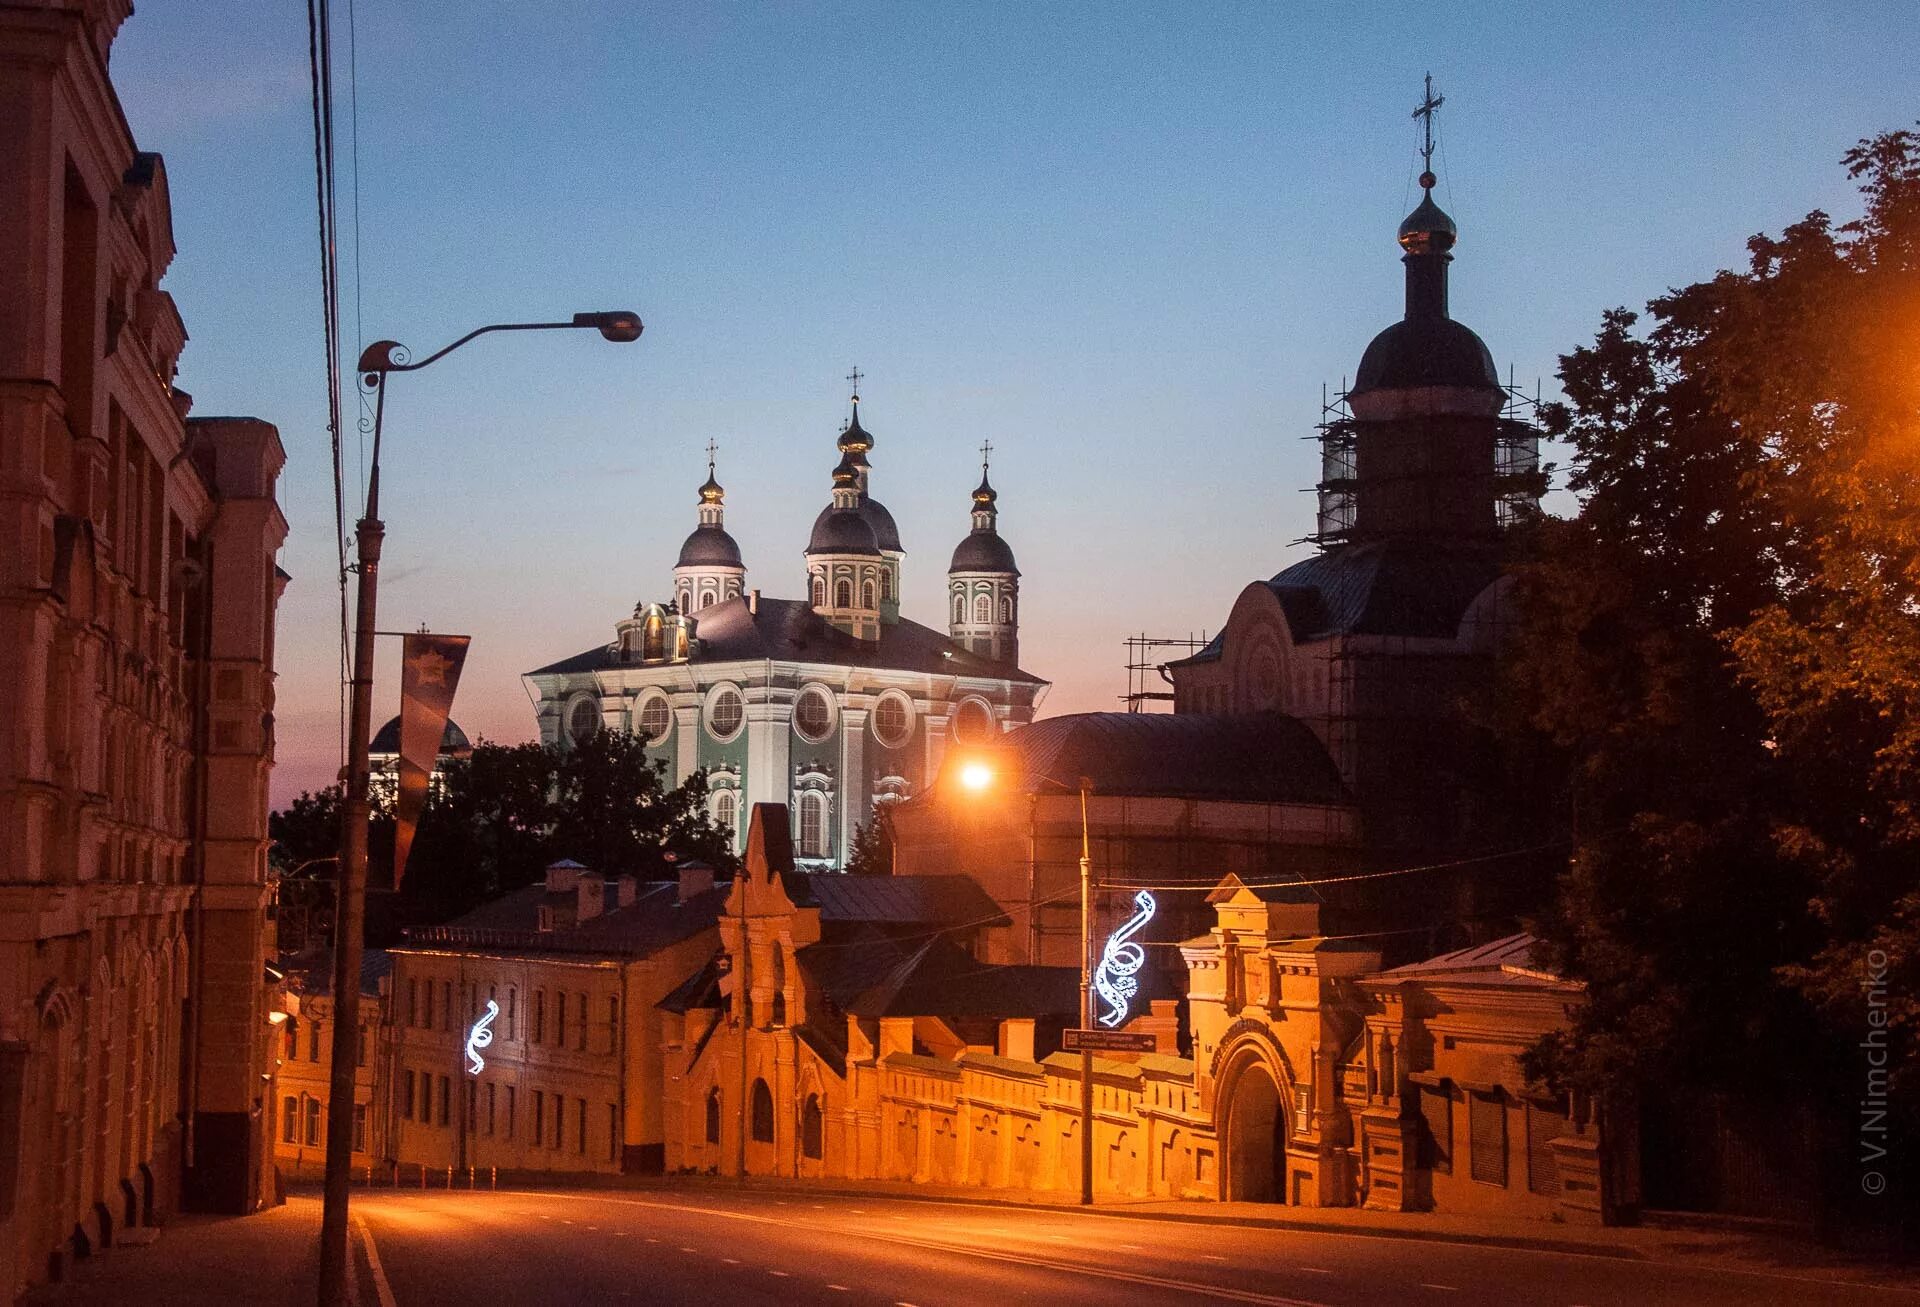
{"points": [[1518, 480], [1146, 660]]}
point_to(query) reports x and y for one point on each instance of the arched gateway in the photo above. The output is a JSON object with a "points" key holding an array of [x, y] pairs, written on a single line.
{"points": [[1253, 1130]]}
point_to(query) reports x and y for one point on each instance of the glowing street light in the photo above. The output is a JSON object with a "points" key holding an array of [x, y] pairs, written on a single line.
{"points": [[976, 776]]}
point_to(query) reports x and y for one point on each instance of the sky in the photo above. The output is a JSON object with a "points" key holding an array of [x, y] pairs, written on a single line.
{"points": [[1128, 244]]}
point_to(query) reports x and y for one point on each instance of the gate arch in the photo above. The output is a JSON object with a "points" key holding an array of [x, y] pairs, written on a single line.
{"points": [[1254, 1120]]}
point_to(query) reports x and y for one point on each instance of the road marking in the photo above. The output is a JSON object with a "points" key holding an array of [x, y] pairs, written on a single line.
{"points": [[1218, 1291], [840, 1288], [1316, 1270], [685, 1249], [1443, 1288], [1213, 1257], [782, 1274], [380, 1285], [651, 1239], [731, 1261]]}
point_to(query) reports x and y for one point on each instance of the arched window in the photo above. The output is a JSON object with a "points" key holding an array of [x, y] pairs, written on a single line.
{"points": [[762, 1113], [583, 720], [843, 594], [779, 1014], [819, 592], [959, 608], [810, 1128], [982, 609], [1006, 612], [813, 825], [708, 595], [656, 717], [713, 1115], [653, 639], [725, 713], [726, 810], [886, 583], [813, 715], [866, 594]]}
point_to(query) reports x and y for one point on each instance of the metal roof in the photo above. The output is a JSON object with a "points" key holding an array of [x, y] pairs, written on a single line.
{"points": [[895, 900]]}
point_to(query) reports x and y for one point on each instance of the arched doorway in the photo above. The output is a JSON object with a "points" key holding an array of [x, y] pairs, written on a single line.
{"points": [[1256, 1138]]}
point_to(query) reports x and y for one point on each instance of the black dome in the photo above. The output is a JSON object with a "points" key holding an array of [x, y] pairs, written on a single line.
{"points": [[842, 531], [886, 535], [1426, 351], [387, 738], [710, 546], [983, 551]]}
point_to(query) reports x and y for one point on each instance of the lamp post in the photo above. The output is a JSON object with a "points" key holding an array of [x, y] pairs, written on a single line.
{"points": [[377, 362], [977, 776]]}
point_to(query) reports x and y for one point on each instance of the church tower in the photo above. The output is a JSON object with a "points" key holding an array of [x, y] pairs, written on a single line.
{"points": [[709, 569], [844, 562], [983, 585]]}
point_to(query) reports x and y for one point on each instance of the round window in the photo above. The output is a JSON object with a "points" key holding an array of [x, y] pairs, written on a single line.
{"points": [[583, 720], [813, 716], [972, 722], [725, 712], [656, 718], [891, 722]]}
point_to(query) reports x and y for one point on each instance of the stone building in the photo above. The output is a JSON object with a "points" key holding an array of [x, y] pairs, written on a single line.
{"points": [[827, 704], [305, 1056], [137, 599]]}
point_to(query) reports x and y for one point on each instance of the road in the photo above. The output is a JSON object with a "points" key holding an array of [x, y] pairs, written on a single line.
{"points": [[710, 1245]]}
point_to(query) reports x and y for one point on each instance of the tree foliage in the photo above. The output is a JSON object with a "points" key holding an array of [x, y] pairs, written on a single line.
{"points": [[1723, 649]]}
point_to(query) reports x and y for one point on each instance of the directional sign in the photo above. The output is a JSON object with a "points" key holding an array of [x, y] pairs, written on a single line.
{"points": [[1107, 1041]]}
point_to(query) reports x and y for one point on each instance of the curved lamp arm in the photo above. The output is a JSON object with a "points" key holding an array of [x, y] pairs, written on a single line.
{"points": [[383, 356]]}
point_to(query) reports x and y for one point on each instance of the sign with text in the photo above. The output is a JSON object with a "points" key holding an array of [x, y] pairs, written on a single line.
{"points": [[1106, 1041]]}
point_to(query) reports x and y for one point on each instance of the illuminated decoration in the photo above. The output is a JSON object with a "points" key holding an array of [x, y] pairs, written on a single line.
{"points": [[479, 1035], [1115, 979]]}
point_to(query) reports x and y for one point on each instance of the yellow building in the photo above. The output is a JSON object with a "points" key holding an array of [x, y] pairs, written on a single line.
{"points": [[525, 1033], [305, 1052]]}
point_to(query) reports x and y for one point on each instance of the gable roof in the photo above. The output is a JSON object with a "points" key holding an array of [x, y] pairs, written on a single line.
{"points": [[788, 630], [895, 900], [656, 919], [1507, 961]]}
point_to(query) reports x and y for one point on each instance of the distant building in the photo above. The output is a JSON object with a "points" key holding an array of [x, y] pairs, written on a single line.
{"points": [[137, 600], [306, 1058], [383, 759], [827, 704]]}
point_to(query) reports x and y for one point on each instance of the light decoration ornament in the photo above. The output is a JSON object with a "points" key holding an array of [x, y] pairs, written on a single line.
{"points": [[1115, 979], [479, 1036]]}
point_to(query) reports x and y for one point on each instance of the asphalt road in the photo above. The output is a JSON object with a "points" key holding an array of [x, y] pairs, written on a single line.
{"points": [[712, 1246]]}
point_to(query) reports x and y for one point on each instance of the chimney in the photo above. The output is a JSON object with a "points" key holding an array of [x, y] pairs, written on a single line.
{"points": [[563, 877], [628, 889], [593, 896], [753, 602], [695, 878]]}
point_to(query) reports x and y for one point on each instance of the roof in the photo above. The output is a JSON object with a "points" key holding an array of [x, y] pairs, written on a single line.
{"points": [[709, 546], [983, 551], [789, 630], [311, 972], [656, 919], [1264, 757], [1385, 587], [886, 533], [894, 900], [843, 531], [1507, 961], [387, 738]]}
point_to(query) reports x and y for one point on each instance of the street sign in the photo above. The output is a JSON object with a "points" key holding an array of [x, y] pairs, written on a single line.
{"points": [[1106, 1041]]}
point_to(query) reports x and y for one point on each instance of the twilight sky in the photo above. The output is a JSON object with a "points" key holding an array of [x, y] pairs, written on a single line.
{"points": [[1126, 243]]}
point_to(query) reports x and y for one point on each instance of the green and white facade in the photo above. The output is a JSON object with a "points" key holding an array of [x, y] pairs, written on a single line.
{"points": [[828, 704]]}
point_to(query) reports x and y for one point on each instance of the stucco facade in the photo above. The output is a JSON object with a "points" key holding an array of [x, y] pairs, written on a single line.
{"points": [[137, 600]]}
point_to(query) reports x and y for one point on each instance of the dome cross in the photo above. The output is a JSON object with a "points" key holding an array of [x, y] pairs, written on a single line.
{"points": [[1428, 107]]}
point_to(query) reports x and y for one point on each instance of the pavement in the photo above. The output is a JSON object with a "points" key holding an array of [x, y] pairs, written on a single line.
{"points": [[712, 1241]]}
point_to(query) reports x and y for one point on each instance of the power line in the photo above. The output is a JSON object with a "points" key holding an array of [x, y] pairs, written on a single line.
{"points": [[320, 69], [1303, 883]]}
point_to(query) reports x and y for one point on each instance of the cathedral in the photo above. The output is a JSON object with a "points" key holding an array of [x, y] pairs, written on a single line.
{"points": [[829, 704]]}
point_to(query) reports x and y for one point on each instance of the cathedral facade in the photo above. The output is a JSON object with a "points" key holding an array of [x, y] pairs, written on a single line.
{"points": [[829, 704]]}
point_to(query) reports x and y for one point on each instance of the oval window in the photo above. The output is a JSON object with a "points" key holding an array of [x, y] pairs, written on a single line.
{"points": [[725, 713], [813, 716]]}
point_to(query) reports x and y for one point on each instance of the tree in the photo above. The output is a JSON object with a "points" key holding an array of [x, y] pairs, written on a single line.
{"points": [[1723, 648], [872, 851]]}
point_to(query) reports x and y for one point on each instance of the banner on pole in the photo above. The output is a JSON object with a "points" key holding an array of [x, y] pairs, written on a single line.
{"points": [[429, 673]]}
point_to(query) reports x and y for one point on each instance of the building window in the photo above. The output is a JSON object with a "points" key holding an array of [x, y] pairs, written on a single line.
{"points": [[613, 1025], [446, 1005], [512, 1101], [613, 1132], [1487, 1124], [559, 1119], [290, 1046], [1006, 611], [726, 810], [313, 1041], [426, 1013], [725, 711], [583, 719], [406, 1095], [580, 1125], [886, 584], [813, 825], [313, 1122], [359, 1127], [843, 594], [560, 1016], [892, 721], [1546, 1122], [819, 593], [1436, 1135], [866, 594], [539, 1118], [762, 1113], [490, 1106], [813, 715], [713, 1115], [513, 996], [656, 718], [810, 1145], [446, 1097], [959, 608], [289, 1120], [972, 722], [580, 1035], [982, 610], [413, 1003], [472, 1123], [539, 1015]]}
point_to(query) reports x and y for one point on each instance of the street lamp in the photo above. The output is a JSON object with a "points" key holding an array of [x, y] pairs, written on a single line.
{"points": [[377, 362], [977, 776]]}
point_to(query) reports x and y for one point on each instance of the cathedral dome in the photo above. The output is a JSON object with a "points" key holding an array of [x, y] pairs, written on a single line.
{"points": [[1426, 351], [710, 546], [842, 531], [1428, 228], [886, 535], [983, 551], [387, 739]]}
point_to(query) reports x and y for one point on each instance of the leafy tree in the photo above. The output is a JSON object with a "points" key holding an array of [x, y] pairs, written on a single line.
{"points": [[1723, 647], [872, 852], [306, 830]]}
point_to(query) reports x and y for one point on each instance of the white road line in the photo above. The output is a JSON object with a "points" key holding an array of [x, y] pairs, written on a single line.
{"points": [[380, 1285], [685, 1249], [1316, 1270], [1443, 1288], [651, 1239], [782, 1274], [731, 1261], [840, 1288]]}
